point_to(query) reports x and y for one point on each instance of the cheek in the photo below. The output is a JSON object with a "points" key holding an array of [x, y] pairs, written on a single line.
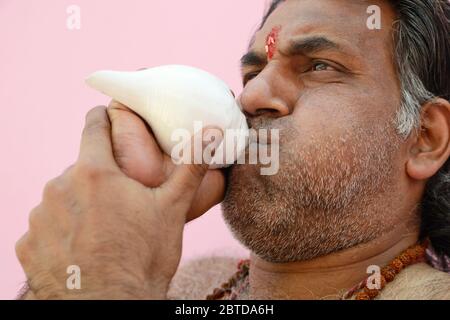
{"points": [[335, 111], [318, 121]]}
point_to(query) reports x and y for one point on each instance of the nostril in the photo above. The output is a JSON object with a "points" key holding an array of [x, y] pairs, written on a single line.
{"points": [[262, 102]]}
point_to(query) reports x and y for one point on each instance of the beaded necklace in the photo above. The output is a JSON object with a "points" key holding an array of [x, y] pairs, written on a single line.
{"points": [[238, 283]]}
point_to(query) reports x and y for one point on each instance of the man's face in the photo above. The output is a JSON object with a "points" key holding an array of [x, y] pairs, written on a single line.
{"points": [[332, 91]]}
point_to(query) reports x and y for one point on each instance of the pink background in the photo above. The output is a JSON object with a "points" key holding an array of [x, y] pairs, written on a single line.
{"points": [[44, 99]]}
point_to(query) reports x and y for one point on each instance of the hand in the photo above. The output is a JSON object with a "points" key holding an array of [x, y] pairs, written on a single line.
{"points": [[125, 237], [139, 156]]}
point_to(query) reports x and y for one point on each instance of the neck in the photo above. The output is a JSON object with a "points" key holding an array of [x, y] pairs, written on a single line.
{"points": [[327, 277]]}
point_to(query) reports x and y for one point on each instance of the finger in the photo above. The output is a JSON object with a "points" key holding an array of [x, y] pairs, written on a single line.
{"points": [[68, 169], [96, 144], [135, 149], [210, 193], [22, 249], [186, 179]]}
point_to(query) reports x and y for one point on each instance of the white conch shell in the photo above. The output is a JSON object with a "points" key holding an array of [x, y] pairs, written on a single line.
{"points": [[173, 97]]}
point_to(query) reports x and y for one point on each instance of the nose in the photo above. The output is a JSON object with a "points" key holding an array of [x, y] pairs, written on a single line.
{"points": [[266, 94]]}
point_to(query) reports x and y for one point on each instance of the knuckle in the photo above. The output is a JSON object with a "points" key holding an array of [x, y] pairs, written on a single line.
{"points": [[90, 171], [54, 188], [68, 170], [21, 248], [33, 218], [94, 127], [87, 170]]}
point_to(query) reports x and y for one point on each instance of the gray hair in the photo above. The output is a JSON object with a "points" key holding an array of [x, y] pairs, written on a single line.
{"points": [[422, 54]]}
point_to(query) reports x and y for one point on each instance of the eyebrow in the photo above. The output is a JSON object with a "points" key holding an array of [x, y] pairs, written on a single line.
{"points": [[310, 45], [253, 58], [300, 46]]}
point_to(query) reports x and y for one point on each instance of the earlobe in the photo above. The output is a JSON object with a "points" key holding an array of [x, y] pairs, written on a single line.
{"points": [[431, 148]]}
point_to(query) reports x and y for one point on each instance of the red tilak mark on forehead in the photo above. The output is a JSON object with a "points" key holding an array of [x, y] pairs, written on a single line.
{"points": [[271, 42]]}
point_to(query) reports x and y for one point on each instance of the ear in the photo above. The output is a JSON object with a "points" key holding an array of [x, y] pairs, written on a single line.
{"points": [[431, 148]]}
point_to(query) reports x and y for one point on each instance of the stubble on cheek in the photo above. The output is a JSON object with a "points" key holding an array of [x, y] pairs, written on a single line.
{"points": [[320, 201]]}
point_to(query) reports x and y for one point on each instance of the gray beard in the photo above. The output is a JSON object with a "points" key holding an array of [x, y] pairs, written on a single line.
{"points": [[329, 195]]}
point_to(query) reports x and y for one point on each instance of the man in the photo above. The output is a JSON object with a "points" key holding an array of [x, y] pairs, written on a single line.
{"points": [[364, 122]]}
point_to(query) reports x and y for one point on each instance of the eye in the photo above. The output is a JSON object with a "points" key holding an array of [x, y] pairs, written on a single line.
{"points": [[249, 76], [321, 66]]}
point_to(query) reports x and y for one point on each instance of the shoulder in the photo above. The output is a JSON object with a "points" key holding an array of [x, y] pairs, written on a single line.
{"points": [[196, 279], [418, 282]]}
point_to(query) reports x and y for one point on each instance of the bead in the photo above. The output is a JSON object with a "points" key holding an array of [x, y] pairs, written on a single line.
{"points": [[382, 281], [396, 265], [410, 256], [243, 265], [411, 252], [362, 296], [388, 273], [420, 251], [405, 259], [218, 293], [372, 293], [226, 285]]}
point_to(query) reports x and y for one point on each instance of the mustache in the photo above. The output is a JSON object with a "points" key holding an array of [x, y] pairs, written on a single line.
{"points": [[284, 125], [261, 122]]}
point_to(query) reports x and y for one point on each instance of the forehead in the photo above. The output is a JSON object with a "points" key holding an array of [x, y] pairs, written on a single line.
{"points": [[342, 20]]}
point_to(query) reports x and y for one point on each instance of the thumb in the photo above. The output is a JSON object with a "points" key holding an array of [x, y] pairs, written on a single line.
{"points": [[182, 185]]}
